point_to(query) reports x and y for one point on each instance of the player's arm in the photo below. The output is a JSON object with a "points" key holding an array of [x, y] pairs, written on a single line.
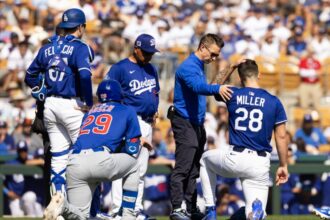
{"points": [[32, 73], [282, 150], [193, 82], [84, 58], [133, 133], [115, 73]]}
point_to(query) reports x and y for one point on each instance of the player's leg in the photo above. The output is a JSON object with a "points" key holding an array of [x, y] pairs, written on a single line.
{"points": [[60, 142], [143, 159], [255, 191], [209, 163], [72, 119], [30, 204], [191, 191], [80, 182], [130, 193], [116, 195], [114, 168], [187, 144], [15, 208]]}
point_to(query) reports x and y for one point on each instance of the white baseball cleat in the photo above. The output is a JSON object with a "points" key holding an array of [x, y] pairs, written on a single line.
{"points": [[55, 207], [323, 213]]}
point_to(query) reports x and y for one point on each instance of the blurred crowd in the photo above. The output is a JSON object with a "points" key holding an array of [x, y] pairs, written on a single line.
{"points": [[270, 31]]}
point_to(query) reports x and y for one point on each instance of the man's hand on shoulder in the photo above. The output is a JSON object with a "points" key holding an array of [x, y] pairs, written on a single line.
{"points": [[225, 92]]}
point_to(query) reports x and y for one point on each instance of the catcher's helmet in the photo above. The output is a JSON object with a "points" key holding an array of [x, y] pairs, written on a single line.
{"points": [[109, 90], [72, 18]]}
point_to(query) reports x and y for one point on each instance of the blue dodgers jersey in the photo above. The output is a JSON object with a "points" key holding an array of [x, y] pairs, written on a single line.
{"points": [[253, 114], [107, 124], [74, 56], [140, 85]]}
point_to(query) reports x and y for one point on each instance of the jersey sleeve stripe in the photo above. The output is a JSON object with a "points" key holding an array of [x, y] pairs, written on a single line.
{"points": [[84, 68], [281, 122]]}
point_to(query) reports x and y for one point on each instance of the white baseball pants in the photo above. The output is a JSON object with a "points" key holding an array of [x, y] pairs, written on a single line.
{"points": [[116, 190], [253, 171], [62, 120]]}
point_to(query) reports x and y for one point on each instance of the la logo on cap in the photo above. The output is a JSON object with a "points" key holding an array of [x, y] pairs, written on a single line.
{"points": [[65, 18], [152, 42]]}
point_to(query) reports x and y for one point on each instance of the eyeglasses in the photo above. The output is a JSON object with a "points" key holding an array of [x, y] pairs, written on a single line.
{"points": [[213, 55]]}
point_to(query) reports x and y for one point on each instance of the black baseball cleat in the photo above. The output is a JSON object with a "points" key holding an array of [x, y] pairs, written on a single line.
{"points": [[179, 214], [196, 214]]}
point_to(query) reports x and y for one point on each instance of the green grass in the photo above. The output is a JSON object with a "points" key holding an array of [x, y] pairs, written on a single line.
{"points": [[274, 217]]}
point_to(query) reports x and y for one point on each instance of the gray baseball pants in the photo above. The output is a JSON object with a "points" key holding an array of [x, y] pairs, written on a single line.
{"points": [[87, 169]]}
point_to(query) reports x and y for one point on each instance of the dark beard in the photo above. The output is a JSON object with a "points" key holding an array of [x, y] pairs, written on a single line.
{"points": [[308, 131], [138, 61]]}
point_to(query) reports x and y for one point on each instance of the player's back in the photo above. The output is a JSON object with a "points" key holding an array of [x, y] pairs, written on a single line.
{"points": [[253, 114], [106, 124], [60, 60]]}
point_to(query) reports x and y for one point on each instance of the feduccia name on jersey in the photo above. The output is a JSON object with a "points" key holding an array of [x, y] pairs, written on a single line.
{"points": [[65, 50], [139, 87], [250, 100]]}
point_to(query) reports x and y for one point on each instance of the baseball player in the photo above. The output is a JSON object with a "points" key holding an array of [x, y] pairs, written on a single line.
{"points": [[139, 81], [21, 201], [106, 149], [253, 115], [63, 65]]}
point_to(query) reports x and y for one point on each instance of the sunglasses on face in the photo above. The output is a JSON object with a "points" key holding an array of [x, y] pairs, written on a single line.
{"points": [[213, 55]]}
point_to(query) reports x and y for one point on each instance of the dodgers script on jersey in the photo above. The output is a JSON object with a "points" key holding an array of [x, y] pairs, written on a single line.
{"points": [[115, 118], [140, 85], [61, 60], [253, 113]]}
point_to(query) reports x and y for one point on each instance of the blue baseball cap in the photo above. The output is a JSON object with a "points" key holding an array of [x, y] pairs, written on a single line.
{"points": [[146, 43], [308, 118], [72, 18], [21, 146]]}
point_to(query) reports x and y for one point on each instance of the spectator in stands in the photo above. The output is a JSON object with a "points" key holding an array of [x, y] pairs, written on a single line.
{"points": [[6, 140], [247, 46], [312, 136], [280, 31], [98, 65], [88, 9], [162, 35], [158, 143], [320, 43], [181, 32], [21, 202], [103, 10], [33, 140], [229, 48], [297, 44], [310, 91], [4, 32], [18, 61], [306, 192], [199, 31], [138, 25], [270, 46], [9, 47], [230, 195], [256, 24]]}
